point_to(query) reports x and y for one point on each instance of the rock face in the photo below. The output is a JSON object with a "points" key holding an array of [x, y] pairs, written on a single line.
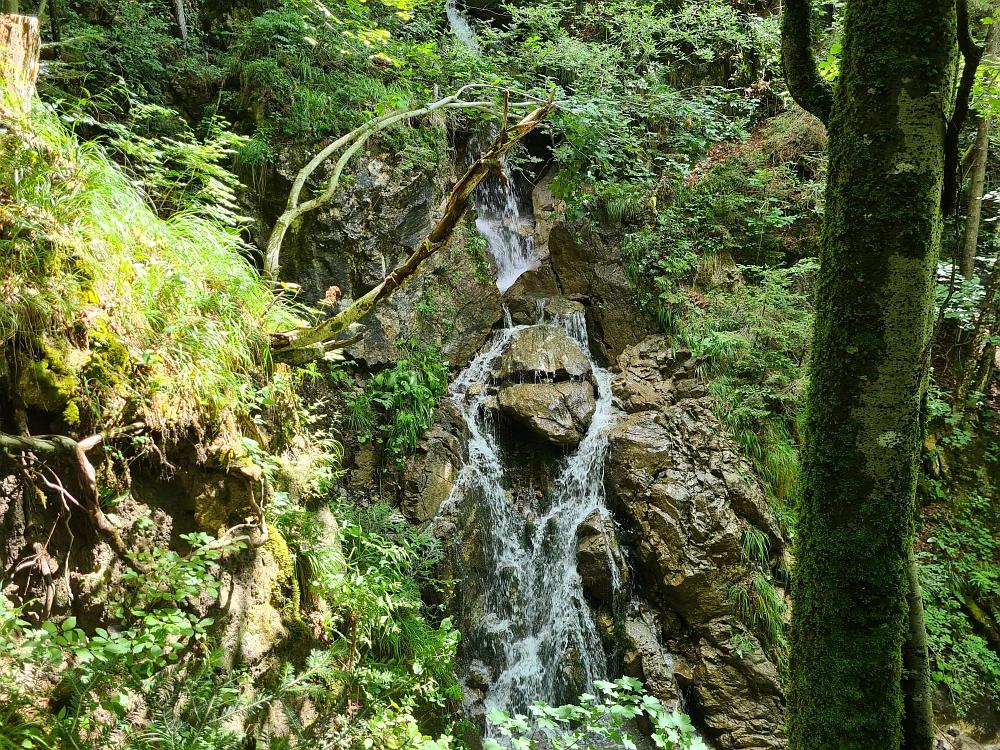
{"points": [[430, 471], [679, 486], [581, 261], [599, 560], [449, 303], [543, 351], [559, 412]]}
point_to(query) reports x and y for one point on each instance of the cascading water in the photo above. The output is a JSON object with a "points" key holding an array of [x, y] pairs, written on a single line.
{"points": [[529, 625], [498, 214], [509, 235], [460, 27], [532, 625]]}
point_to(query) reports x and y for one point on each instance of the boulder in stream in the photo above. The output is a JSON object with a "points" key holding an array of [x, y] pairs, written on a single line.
{"points": [[544, 351], [559, 412]]}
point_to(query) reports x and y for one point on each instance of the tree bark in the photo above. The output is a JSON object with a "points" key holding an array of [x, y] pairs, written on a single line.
{"points": [[20, 46], [810, 90], [182, 23], [54, 24], [981, 150], [972, 53], [862, 434], [918, 711]]}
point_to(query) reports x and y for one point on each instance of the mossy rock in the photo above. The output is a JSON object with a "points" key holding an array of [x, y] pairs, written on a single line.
{"points": [[49, 380], [285, 594]]}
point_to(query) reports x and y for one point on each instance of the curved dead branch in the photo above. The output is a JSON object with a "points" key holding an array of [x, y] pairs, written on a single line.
{"points": [[353, 141], [286, 344]]}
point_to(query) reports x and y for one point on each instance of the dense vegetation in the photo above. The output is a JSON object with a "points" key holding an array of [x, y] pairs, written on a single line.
{"points": [[131, 307]]}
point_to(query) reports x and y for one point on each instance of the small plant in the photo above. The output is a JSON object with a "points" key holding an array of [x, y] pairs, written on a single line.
{"points": [[397, 405], [756, 547], [594, 721]]}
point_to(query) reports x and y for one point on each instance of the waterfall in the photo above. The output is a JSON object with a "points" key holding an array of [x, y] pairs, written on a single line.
{"points": [[532, 626], [498, 214], [460, 28], [508, 234]]}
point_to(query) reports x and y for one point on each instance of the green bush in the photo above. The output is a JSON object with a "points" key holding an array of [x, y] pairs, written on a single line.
{"points": [[595, 722], [961, 591]]}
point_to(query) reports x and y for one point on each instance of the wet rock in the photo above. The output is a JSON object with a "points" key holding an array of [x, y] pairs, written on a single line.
{"points": [[531, 288], [371, 226], [559, 412], [373, 222], [738, 694], [546, 208], [646, 660], [677, 482], [543, 351], [449, 303], [429, 474], [599, 560], [561, 307], [586, 259]]}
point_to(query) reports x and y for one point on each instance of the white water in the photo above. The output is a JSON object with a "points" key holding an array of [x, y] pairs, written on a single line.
{"points": [[508, 234], [498, 215], [535, 631], [460, 28]]}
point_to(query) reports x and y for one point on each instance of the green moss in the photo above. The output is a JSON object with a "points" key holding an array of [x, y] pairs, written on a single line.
{"points": [[47, 382], [71, 414], [110, 362], [285, 593], [874, 303]]}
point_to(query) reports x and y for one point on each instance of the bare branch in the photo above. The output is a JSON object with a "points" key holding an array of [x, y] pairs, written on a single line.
{"points": [[972, 53], [458, 204]]}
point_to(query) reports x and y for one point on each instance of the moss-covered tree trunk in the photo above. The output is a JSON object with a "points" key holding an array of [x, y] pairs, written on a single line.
{"points": [[874, 307]]}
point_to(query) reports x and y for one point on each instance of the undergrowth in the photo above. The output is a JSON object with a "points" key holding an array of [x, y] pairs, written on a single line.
{"points": [[110, 313], [396, 406]]}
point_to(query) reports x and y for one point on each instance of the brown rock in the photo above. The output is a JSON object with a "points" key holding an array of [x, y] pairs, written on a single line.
{"points": [[559, 412], [545, 351], [599, 560]]}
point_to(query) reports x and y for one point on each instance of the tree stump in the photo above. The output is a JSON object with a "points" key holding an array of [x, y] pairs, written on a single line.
{"points": [[20, 45]]}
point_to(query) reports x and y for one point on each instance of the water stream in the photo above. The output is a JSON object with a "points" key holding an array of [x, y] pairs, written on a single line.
{"points": [[528, 626], [499, 220], [532, 628]]}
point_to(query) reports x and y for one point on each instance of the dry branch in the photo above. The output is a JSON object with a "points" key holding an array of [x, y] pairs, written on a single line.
{"points": [[353, 141], [285, 344]]}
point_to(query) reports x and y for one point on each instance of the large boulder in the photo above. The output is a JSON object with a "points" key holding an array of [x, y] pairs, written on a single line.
{"points": [[543, 352], [559, 412], [429, 474]]}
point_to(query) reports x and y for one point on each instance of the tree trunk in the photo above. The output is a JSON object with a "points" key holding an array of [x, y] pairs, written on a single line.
{"points": [[981, 151], [20, 45], [54, 24], [810, 90], [182, 23], [874, 309], [918, 712]]}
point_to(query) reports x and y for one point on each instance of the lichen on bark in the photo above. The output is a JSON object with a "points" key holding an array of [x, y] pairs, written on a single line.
{"points": [[874, 306]]}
